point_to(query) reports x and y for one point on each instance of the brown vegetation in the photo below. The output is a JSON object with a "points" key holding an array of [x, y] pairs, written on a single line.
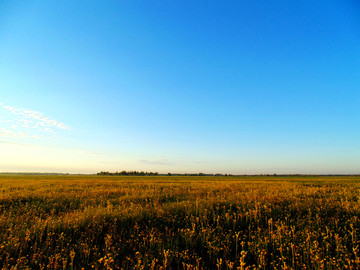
{"points": [[159, 222]]}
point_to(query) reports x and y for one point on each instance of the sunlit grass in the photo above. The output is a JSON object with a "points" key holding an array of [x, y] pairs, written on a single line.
{"points": [[158, 222]]}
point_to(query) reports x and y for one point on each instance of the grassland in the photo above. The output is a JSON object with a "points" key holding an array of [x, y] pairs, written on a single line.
{"points": [[108, 222]]}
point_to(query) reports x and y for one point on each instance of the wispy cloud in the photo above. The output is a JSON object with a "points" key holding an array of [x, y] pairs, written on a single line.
{"points": [[17, 134], [91, 153], [162, 161], [13, 143], [33, 119], [77, 151]]}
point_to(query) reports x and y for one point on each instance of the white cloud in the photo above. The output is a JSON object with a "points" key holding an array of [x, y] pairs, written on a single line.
{"points": [[17, 134], [162, 161], [33, 119]]}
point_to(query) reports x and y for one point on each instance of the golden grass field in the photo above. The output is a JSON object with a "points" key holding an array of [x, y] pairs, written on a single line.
{"points": [[161, 222]]}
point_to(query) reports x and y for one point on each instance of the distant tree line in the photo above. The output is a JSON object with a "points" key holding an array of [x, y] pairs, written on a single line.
{"points": [[156, 173], [128, 173], [197, 174]]}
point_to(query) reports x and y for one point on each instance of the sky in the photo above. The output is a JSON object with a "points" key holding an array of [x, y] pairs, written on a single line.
{"points": [[241, 87]]}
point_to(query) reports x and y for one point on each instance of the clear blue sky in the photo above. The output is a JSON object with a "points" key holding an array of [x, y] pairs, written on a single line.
{"points": [[180, 86]]}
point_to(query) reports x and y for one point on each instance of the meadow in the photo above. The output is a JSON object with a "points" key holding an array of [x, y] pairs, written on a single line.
{"points": [[178, 222]]}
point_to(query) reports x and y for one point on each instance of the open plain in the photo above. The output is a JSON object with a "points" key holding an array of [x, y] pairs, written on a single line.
{"points": [[178, 222]]}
